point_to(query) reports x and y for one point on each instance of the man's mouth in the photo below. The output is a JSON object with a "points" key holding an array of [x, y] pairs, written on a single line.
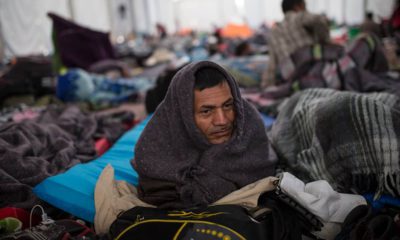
{"points": [[221, 133]]}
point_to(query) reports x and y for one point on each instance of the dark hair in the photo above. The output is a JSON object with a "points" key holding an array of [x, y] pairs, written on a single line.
{"points": [[242, 49], [288, 5], [208, 77], [369, 15]]}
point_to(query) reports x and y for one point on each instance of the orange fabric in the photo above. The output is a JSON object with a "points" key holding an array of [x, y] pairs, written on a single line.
{"points": [[185, 31], [235, 30]]}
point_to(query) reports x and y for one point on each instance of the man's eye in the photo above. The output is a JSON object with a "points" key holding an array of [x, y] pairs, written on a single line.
{"points": [[228, 106], [205, 112]]}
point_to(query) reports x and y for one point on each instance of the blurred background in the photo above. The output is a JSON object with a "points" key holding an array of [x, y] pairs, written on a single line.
{"points": [[104, 53], [26, 29]]}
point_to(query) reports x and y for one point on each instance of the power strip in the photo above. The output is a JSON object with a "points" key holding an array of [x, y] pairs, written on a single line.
{"points": [[50, 231]]}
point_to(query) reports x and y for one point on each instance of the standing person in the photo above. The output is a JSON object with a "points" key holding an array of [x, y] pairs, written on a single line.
{"points": [[369, 26], [203, 142], [298, 29], [161, 31]]}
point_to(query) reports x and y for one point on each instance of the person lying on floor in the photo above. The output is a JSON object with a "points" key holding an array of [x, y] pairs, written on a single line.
{"points": [[203, 142]]}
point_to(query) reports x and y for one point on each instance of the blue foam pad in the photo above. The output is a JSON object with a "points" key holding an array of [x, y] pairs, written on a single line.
{"points": [[73, 191], [268, 121]]}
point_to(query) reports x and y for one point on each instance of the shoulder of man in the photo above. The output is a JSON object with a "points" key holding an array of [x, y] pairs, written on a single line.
{"points": [[308, 15]]}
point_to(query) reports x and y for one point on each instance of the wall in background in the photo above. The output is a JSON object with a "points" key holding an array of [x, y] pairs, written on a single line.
{"points": [[25, 28]]}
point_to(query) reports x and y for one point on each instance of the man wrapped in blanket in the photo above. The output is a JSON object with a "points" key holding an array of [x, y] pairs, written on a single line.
{"points": [[203, 142]]}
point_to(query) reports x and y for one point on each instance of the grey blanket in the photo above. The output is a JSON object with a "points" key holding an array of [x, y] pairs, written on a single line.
{"points": [[33, 150], [176, 164], [349, 139]]}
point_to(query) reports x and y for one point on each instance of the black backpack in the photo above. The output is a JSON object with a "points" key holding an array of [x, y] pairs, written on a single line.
{"points": [[222, 222], [286, 220]]}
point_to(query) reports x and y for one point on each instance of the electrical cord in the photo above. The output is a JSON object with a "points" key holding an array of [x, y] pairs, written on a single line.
{"points": [[45, 218]]}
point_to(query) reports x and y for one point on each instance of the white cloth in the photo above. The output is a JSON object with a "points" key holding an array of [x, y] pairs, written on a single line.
{"points": [[319, 198]]}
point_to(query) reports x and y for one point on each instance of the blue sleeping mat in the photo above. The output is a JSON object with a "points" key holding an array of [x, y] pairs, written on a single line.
{"points": [[73, 191], [268, 121]]}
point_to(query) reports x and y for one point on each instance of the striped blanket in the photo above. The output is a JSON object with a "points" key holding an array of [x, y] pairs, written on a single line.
{"points": [[349, 139]]}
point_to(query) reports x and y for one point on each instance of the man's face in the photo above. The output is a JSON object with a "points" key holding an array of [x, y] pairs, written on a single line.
{"points": [[214, 112]]}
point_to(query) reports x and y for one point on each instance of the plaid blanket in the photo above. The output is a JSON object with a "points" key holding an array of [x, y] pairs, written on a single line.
{"points": [[349, 139]]}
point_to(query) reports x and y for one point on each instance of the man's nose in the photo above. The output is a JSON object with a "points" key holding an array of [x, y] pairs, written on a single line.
{"points": [[219, 117]]}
